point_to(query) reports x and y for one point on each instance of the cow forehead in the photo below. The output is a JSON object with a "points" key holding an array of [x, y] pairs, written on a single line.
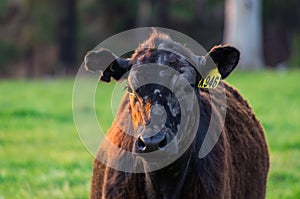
{"points": [[164, 67], [160, 56], [159, 83]]}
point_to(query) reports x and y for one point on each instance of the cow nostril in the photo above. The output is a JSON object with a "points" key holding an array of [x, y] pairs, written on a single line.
{"points": [[150, 144], [141, 145], [163, 143]]}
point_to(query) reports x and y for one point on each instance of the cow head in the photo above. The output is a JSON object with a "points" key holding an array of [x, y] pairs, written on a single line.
{"points": [[158, 74]]}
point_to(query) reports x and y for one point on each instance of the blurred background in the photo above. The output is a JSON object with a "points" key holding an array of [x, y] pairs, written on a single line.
{"points": [[43, 42], [41, 38]]}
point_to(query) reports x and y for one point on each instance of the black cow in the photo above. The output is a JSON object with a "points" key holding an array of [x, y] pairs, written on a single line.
{"points": [[149, 121]]}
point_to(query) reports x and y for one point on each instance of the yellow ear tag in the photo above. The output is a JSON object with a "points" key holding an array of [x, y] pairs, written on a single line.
{"points": [[212, 79]]}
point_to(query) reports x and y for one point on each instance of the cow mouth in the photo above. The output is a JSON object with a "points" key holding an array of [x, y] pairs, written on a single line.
{"points": [[141, 146], [158, 147]]}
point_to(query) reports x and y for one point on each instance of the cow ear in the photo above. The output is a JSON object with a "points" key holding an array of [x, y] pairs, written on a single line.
{"points": [[226, 58], [107, 63]]}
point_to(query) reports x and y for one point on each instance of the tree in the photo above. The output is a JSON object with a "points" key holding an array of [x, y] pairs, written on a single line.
{"points": [[243, 30], [67, 34]]}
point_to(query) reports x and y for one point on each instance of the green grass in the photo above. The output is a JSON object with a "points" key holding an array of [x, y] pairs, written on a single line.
{"points": [[41, 155]]}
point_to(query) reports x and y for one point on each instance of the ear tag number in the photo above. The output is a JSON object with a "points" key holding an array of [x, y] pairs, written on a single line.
{"points": [[212, 79]]}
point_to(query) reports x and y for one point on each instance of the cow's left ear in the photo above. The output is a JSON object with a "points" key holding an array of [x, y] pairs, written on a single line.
{"points": [[109, 64], [226, 58]]}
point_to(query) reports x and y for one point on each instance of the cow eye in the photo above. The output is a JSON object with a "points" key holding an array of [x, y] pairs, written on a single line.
{"points": [[129, 90]]}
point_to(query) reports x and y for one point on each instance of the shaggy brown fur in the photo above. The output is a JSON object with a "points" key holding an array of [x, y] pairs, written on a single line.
{"points": [[237, 167]]}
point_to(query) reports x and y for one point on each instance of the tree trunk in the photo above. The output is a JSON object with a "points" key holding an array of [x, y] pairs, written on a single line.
{"points": [[67, 35], [144, 13], [243, 30], [164, 13]]}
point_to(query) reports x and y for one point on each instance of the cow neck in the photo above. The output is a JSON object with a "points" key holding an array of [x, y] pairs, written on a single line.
{"points": [[168, 182]]}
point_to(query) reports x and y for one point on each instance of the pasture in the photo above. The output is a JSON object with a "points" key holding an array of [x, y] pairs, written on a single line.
{"points": [[41, 155]]}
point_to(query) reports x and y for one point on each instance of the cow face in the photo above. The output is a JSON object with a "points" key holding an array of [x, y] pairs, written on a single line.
{"points": [[157, 82], [157, 79]]}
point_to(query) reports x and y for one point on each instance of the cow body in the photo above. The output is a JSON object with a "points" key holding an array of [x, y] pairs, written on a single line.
{"points": [[236, 167]]}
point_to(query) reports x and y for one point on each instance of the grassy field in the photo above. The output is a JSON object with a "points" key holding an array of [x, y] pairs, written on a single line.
{"points": [[41, 155]]}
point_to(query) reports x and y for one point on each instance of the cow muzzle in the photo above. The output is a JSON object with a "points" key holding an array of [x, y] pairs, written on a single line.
{"points": [[160, 141], [146, 144]]}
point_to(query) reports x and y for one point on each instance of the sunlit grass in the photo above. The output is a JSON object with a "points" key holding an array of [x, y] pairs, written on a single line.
{"points": [[42, 156]]}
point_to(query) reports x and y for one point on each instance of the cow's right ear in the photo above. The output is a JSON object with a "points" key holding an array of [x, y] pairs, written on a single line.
{"points": [[107, 63]]}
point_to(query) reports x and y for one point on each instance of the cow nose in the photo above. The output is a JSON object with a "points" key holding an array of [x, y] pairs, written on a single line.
{"points": [[149, 144]]}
